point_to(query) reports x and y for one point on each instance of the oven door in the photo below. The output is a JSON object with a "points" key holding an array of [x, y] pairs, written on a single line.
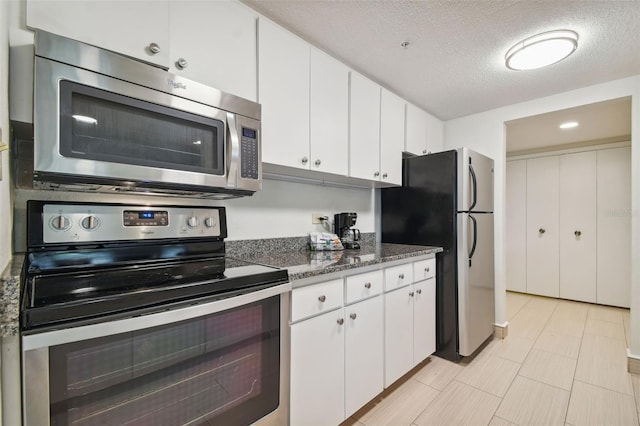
{"points": [[91, 128], [223, 362]]}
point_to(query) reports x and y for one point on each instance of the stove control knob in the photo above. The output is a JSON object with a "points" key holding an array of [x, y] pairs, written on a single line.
{"points": [[89, 223], [210, 222], [60, 223], [193, 222]]}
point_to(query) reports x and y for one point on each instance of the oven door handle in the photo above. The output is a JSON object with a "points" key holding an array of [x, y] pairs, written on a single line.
{"points": [[109, 328], [234, 149]]}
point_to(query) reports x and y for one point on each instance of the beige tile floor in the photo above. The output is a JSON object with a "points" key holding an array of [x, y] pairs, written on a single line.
{"points": [[563, 363]]}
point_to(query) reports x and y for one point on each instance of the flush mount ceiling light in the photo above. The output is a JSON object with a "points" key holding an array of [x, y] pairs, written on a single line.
{"points": [[569, 125], [541, 50]]}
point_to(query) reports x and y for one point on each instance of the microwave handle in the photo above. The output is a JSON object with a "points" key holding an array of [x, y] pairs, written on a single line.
{"points": [[234, 140]]}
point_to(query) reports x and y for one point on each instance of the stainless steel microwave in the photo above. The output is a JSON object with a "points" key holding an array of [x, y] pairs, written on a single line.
{"points": [[107, 123]]}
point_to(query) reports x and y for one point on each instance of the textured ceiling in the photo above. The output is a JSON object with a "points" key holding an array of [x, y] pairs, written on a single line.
{"points": [[455, 63], [600, 122]]}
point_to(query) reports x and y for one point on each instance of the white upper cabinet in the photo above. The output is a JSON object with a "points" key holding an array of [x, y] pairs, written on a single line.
{"points": [[214, 43], [283, 64], [329, 150], [364, 129], [424, 132], [416, 136], [139, 29], [391, 137]]}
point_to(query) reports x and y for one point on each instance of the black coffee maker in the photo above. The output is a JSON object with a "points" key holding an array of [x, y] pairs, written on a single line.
{"points": [[342, 225]]}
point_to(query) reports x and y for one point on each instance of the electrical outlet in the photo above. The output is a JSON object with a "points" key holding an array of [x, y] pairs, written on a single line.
{"points": [[315, 218]]}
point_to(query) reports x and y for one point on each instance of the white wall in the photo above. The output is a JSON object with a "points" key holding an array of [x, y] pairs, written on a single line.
{"points": [[283, 209], [5, 200], [485, 132]]}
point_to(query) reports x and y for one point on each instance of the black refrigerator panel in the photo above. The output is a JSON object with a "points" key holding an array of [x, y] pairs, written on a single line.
{"points": [[423, 212]]}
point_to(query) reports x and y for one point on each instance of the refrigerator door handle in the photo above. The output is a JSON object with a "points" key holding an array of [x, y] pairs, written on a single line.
{"points": [[474, 181], [475, 238]]}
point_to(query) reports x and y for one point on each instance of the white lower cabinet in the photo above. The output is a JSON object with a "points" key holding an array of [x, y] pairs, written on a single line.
{"points": [[409, 328], [347, 347], [317, 370], [363, 353]]}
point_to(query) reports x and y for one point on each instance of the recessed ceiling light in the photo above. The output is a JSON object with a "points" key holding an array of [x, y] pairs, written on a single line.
{"points": [[541, 50], [569, 125]]}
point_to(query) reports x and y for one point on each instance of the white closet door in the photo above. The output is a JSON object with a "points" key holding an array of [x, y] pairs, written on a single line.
{"points": [[542, 226], [614, 226], [517, 225], [578, 226]]}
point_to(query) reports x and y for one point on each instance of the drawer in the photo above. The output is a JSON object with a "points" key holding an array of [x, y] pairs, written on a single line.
{"points": [[398, 276], [363, 285], [316, 298], [424, 269]]}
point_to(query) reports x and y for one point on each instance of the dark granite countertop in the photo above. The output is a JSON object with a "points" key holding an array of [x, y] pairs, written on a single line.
{"points": [[308, 264], [10, 297]]}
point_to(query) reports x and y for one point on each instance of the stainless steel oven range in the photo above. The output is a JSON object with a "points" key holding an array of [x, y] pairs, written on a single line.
{"points": [[133, 315]]}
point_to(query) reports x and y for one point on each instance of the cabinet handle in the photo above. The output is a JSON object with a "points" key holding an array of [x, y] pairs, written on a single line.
{"points": [[426, 269], [419, 291], [384, 175], [340, 321], [182, 63], [322, 298], [376, 174], [542, 230], [367, 285], [353, 316], [401, 276], [577, 233], [318, 162], [154, 48], [305, 160], [424, 151], [411, 294]]}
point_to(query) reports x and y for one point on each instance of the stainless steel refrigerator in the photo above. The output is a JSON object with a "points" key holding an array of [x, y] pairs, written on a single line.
{"points": [[447, 200]]}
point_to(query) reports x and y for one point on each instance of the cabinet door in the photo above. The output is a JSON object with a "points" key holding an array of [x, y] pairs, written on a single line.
{"points": [[542, 226], [516, 238], [364, 129], [283, 64], [578, 226], [614, 226], [363, 353], [391, 137], [124, 27], [416, 136], [317, 370], [435, 134], [424, 320], [217, 39], [398, 334], [329, 114]]}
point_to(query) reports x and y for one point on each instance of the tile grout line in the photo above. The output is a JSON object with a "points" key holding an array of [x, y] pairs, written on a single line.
{"points": [[584, 327]]}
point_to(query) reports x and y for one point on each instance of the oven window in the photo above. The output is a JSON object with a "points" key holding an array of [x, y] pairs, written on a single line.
{"points": [[220, 369], [104, 126]]}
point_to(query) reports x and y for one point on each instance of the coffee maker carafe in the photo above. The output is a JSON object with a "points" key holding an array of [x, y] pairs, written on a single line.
{"points": [[342, 224]]}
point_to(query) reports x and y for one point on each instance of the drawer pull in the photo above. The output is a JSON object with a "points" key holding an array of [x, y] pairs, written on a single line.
{"points": [[322, 298], [411, 294], [367, 285], [353, 316], [426, 269], [340, 321], [419, 291], [401, 276]]}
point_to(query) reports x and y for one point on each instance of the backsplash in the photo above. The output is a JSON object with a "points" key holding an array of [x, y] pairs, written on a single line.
{"points": [[259, 247]]}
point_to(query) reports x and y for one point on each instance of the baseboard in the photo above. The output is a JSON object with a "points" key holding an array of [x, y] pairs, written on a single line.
{"points": [[633, 363], [501, 330]]}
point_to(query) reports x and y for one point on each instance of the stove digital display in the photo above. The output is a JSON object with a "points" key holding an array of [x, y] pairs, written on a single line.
{"points": [[146, 218]]}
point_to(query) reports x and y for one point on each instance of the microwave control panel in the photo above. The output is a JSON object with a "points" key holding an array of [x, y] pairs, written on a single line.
{"points": [[63, 223], [249, 154]]}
